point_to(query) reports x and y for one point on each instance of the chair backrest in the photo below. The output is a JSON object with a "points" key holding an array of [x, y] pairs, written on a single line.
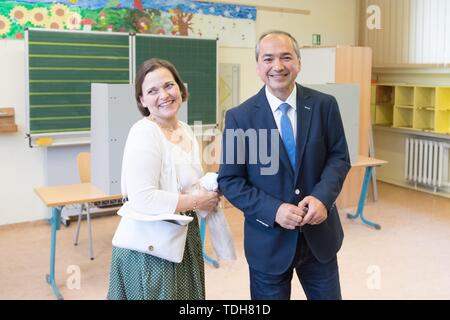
{"points": [[84, 166]]}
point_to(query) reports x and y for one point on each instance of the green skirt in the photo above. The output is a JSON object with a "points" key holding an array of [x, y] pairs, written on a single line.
{"points": [[140, 276]]}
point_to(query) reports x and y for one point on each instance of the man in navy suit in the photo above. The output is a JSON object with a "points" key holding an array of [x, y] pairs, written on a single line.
{"points": [[291, 220]]}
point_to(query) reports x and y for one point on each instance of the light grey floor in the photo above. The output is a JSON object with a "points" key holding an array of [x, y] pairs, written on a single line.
{"points": [[409, 258]]}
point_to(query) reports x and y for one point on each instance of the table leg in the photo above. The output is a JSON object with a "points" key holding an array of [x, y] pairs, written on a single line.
{"points": [[56, 224], [362, 200], [207, 258], [88, 217]]}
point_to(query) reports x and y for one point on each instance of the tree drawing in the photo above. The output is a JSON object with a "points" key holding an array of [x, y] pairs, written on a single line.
{"points": [[182, 20]]}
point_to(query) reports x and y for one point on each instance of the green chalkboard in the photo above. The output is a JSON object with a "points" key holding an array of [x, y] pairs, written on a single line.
{"points": [[61, 67], [196, 61]]}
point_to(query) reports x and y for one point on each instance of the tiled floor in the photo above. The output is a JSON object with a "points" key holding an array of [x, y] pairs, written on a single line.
{"points": [[409, 258]]}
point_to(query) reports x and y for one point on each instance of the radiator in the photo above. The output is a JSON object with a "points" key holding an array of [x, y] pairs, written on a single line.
{"points": [[427, 162]]}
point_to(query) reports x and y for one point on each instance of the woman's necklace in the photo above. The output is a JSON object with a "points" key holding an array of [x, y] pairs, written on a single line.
{"points": [[172, 133]]}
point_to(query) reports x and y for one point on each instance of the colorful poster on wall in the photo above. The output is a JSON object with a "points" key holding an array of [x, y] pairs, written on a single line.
{"points": [[233, 25]]}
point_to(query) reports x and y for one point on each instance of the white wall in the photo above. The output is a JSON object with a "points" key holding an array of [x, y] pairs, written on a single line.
{"points": [[336, 21], [22, 168]]}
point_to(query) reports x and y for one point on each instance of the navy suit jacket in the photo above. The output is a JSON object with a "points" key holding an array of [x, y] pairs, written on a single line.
{"points": [[321, 167]]}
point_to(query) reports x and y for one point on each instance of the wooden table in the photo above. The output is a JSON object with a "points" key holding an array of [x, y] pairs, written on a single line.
{"points": [[57, 197], [369, 164]]}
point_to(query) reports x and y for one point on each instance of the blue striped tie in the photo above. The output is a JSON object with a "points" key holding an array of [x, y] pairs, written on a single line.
{"points": [[287, 133]]}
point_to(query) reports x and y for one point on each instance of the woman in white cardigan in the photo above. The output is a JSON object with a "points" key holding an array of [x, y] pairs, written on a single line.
{"points": [[161, 165]]}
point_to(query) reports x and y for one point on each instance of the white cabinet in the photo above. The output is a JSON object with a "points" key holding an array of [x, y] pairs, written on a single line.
{"points": [[113, 112]]}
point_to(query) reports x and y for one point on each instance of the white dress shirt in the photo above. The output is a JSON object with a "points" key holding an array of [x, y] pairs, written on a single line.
{"points": [[274, 103]]}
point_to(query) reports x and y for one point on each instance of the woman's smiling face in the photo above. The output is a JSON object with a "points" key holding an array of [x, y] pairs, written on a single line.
{"points": [[161, 94]]}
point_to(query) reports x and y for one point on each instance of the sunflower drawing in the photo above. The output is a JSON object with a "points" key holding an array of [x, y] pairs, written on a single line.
{"points": [[60, 12], [39, 16], [5, 25], [19, 14], [54, 23]]}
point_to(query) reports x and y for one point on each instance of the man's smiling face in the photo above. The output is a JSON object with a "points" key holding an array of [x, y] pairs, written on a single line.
{"points": [[278, 64]]}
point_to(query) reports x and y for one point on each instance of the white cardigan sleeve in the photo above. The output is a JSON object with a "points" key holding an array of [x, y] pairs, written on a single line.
{"points": [[142, 168]]}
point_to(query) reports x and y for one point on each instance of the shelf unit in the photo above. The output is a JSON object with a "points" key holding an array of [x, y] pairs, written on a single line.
{"points": [[403, 106], [443, 110], [424, 105], [382, 99], [417, 107]]}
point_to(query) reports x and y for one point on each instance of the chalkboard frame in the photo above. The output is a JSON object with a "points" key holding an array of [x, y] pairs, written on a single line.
{"points": [[44, 139], [48, 136]]}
